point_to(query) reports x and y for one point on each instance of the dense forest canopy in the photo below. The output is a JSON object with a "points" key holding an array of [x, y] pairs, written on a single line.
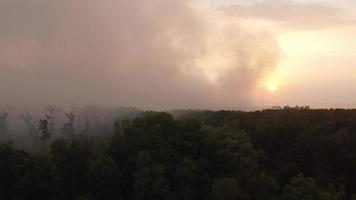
{"points": [[287, 154]]}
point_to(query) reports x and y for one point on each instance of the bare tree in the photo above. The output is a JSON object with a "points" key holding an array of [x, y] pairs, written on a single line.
{"points": [[44, 133], [3, 123], [51, 113], [68, 127]]}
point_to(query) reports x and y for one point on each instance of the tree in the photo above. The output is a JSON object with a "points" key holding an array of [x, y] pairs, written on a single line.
{"points": [[51, 114], [72, 158], [3, 124], [306, 188], [44, 134], [68, 127], [227, 188], [41, 180], [12, 170], [104, 178], [149, 178]]}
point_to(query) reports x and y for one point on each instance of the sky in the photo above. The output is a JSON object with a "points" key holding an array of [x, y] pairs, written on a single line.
{"points": [[178, 54], [318, 50]]}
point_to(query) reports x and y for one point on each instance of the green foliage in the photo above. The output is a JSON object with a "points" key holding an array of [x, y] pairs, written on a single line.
{"points": [[306, 188], [227, 189], [12, 168], [199, 156]]}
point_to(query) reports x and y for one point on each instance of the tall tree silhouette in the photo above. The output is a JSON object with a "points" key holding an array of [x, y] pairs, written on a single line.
{"points": [[68, 127], [51, 112], [3, 124], [44, 133]]}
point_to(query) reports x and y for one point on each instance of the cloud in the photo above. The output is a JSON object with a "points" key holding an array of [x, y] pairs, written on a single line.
{"points": [[291, 15], [144, 53]]}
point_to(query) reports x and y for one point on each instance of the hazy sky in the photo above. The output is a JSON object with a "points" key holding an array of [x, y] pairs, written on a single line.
{"points": [[164, 54], [317, 39]]}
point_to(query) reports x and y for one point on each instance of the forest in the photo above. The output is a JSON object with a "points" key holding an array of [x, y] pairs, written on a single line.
{"points": [[274, 154]]}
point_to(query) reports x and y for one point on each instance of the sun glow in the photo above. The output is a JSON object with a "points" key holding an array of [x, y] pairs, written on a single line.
{"points": [[272, 87], [272, 83]]}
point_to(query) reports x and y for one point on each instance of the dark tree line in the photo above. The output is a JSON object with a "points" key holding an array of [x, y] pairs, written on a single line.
{"points": [[289, 154]]}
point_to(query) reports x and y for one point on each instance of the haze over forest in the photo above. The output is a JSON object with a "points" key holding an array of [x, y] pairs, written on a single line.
{"points": [[178, 99]]}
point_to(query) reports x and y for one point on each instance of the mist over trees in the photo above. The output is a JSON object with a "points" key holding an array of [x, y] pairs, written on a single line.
{"points": [[29, 128], [288, 154]]}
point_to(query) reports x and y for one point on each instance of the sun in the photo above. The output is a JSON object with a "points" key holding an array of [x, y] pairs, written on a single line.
{"points": [[272, 83], [272, 87]]}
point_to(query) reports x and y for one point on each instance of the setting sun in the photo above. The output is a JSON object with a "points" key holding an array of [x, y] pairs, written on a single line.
{"points": [[273, 82], [272, 87]]}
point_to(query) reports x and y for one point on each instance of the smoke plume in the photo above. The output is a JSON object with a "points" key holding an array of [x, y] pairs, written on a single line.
{"points": [[153, 54]]}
